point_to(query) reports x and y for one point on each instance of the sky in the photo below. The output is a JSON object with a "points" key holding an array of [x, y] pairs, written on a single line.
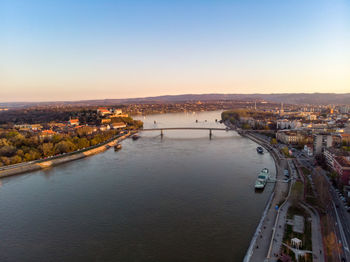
{"points": [[76, 50]]}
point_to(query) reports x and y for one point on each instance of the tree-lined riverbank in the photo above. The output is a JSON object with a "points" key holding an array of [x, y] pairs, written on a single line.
{"points": [[60, 159]]}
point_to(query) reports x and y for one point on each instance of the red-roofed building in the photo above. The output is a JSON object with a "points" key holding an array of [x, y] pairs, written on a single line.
{"points": [[105, 120], [47, 134], [103, 111], [118, 125], [74, 121]]}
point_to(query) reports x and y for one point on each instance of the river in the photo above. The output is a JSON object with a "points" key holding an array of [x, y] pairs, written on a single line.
{"points": [[182, 197]]}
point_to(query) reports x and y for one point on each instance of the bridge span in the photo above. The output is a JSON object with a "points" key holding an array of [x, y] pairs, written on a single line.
{"points": [[184, 128], [210, 129]]}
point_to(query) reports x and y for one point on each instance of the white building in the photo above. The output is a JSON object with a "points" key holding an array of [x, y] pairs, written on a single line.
{"points": [[287, 124], [308, 150], [321, 142], [344, 109], [118, 125], [311, 117]]}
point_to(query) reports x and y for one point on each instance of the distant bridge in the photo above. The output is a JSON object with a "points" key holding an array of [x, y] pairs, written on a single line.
{"points": [[184, 128], [210, 129], [206, 128]]}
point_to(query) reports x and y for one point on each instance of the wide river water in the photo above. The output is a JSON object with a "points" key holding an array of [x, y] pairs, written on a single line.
{"points": [[182, 197]]}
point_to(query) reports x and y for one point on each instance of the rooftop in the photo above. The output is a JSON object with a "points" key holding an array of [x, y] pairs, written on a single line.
{"points": [[342, 161]]}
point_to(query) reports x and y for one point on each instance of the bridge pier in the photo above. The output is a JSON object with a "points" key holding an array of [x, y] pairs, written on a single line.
{"points": [[210, 134], [161, 133]]}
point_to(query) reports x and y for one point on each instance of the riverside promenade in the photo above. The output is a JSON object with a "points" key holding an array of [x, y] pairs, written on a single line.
{"points": [[267, 241], [260, 244]]}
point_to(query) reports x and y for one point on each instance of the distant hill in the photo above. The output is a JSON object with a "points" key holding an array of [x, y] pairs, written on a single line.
{"points": [[292, 98], [299, 98]]}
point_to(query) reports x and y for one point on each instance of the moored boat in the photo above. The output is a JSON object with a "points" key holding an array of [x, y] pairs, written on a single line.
{"points": [[262, 179], [117, 147], [135, 137], [259, 184], [265, 170]]}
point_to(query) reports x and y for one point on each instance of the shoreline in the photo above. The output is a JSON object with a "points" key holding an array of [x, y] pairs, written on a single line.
{"points": [[258, 230], [260, 247], [265, 220], [42, 164]]}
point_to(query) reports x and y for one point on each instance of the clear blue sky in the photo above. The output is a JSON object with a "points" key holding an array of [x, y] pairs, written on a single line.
{"points": [[69, 50]]}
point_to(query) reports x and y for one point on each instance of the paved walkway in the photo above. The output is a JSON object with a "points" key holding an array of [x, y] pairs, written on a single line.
{"points": [[278, 237], [317, 243], [316, 236], [261, 250], [262, 243]]}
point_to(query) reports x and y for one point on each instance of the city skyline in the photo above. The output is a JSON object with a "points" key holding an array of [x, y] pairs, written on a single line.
{"points": [[99, 50]]}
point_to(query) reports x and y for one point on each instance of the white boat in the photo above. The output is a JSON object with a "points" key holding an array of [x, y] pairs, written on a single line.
{"points": [[265, 170], [259, 184], [117, 147], [262, 179]]}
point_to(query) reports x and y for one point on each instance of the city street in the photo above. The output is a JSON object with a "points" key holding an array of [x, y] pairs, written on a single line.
{"points": [[338, 209]]}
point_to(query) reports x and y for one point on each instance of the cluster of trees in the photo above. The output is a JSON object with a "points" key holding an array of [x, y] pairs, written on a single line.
{"points": [[273, 141], [346, 148], [346, 145], [232, 115], [236, 116], [40, 115], [46, 114], [18, 147], [285, 151], [297, 193]]}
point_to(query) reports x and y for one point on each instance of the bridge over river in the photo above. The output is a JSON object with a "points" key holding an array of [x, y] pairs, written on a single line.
{"points": [[210, 129]]}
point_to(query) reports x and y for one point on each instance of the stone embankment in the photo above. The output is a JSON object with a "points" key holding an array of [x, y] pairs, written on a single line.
{"points": [[57, 160], [260, 244]]}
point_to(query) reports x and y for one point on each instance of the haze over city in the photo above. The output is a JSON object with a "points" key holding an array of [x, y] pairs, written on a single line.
{"points": [[75, 50]]}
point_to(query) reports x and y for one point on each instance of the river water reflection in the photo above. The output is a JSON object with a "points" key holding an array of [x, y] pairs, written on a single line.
{"points": [[182, 197]]}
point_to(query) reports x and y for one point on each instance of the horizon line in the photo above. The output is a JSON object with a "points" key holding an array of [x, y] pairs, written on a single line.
{"points": [[170, 95]]}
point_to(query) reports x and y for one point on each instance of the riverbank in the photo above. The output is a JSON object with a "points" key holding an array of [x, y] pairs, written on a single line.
{"points": [[267, 241], [41, 164], [260, 244]]}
